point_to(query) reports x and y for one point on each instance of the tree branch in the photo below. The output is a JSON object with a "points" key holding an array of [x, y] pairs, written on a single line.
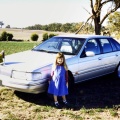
{"points": [[83, 24]]}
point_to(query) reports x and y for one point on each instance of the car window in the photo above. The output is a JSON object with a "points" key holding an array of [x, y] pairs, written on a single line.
{"points": [[93, 46], [115, 44], [67, 45], [106, 46]]}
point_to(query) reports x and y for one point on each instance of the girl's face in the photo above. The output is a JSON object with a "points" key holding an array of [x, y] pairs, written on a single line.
{"points": [[59, 61]]}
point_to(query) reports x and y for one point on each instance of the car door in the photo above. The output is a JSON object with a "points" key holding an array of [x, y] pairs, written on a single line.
{"points": [[90, 66], [109, 55]]}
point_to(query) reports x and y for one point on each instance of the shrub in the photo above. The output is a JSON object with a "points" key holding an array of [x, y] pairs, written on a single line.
{"points": [[51, 35], [45, 36], [34, 37], [9, 36], [3, 36]]}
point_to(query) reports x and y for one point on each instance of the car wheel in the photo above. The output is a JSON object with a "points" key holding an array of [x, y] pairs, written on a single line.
{"points": [[70, 82], [117, 72]]}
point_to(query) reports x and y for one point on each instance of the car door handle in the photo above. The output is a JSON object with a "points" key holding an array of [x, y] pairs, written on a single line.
{"points": [[100, 58]]}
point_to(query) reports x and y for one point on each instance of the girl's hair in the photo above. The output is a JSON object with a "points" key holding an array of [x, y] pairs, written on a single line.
{"points": [[60, 55]]}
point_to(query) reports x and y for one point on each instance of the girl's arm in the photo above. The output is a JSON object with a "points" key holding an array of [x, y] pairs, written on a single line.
{"points": [[52, 73], [66, 76]]}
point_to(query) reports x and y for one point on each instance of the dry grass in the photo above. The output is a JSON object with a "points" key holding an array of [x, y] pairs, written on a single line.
{"points": [[22, 34]]}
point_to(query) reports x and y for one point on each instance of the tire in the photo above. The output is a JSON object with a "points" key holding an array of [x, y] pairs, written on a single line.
{"points": [[71, 83], [117, 72]]}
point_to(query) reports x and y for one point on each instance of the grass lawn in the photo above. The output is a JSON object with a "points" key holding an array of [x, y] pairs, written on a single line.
{"points": [[14, 47]]}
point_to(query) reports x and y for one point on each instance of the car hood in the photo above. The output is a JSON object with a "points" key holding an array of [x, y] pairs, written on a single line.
{"points": [[29, 60]]}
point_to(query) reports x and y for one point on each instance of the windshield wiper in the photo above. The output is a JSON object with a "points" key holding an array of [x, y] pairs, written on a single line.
{"points": [[68, 53], [42, 50]]}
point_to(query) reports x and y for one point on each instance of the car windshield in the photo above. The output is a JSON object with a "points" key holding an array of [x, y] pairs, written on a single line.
{"points": [[67, 45]]}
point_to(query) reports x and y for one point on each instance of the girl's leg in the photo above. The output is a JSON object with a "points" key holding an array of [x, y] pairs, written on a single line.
{"points": [[55, 98], [64, 98], [65, 101], [56, 102]]}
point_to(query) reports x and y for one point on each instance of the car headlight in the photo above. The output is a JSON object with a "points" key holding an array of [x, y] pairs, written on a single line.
{"points": [[26, 75]]}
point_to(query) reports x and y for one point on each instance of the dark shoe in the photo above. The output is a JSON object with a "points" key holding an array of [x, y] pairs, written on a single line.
{"points": [[66, 104], [57, 105]]}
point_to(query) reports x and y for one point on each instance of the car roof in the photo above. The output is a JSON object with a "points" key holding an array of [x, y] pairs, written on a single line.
{"points": [[83, 36]]}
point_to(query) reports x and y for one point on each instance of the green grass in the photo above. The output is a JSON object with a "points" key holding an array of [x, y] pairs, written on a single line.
{"points": [[14, 47]]}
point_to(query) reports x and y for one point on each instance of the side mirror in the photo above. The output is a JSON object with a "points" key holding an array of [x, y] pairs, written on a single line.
{"points": [[90, 54]]}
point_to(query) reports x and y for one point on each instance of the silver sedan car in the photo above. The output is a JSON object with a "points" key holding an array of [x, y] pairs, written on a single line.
{"points": [[87, 57]]}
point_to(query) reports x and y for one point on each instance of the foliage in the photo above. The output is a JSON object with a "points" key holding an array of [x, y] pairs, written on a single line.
{"points": [[8, 26], [51, 35], [96, 11], [3, 36], [67, 27], [9, 36], [1, 23], [34, 37], [45, 36], [6, 36], [114, 22], [97, 8]]}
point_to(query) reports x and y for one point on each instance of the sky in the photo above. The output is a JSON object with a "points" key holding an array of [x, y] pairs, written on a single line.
{"points": [[24, 13]]}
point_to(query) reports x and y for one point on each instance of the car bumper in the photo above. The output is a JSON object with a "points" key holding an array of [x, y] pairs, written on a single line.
{"points": [[24, 85]]}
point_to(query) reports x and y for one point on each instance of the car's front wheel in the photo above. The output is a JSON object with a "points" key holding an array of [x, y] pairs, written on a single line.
{"points": [[70, 82]]}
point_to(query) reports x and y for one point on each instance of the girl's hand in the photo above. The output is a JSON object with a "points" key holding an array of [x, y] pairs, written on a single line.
{"points": [[67, 84], [49, 81]]}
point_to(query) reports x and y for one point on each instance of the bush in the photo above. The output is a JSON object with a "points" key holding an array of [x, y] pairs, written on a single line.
{"points": [[3, 36], [34, 37], [45, 36], [51, 35], [9, 36], [6, 36]]}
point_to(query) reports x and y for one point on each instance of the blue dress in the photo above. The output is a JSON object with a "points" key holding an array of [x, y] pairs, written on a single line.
{"points": [[57, 85]]}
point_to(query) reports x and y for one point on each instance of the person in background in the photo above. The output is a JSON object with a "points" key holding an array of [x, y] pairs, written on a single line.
{"points": [[58, 84]]}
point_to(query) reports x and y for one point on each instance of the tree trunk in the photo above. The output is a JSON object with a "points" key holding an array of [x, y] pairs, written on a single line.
{"points": [[97, 25]]}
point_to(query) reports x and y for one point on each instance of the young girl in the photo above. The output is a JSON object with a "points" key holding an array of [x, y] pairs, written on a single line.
{"points": [[58, 85]]}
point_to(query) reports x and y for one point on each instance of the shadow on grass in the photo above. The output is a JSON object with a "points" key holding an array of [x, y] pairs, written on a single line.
{"points": [[103, 92]]}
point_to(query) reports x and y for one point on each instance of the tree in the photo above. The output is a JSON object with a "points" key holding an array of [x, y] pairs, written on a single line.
{"points": [[96, 8], [114, 22], [1, 23], [66, 27], [8, 26]]}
